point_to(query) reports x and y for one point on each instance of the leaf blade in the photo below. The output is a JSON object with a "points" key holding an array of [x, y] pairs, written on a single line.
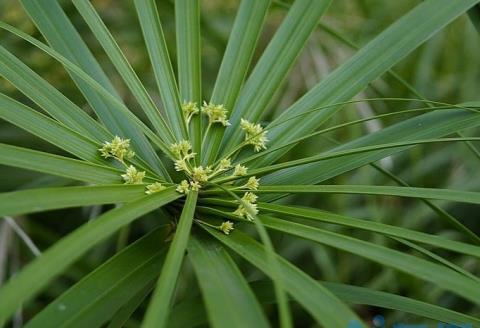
{"points": [[158, 309], [43, 269], [224, 287]]}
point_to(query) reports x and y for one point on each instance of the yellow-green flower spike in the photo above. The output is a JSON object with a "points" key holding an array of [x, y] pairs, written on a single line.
{"points": [[132, 176], [226, 227], [154, 187], [118, 148], [183, 187], [252, 183], [181, 149], [195, 186], [224, 164], [248, 200], [240, 170], [254, 135], [215, 113], [189, 109], [250, 197], [200, 174]]}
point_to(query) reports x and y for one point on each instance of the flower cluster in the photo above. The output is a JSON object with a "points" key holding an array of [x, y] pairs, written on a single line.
{"points": [[189, 109], [254, 135], [248, 207], [118, 148], [185, 160], [215, 113]]}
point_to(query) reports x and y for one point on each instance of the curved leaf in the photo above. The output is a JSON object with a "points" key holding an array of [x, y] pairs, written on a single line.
{"points": [[318, 301], [43, 199], [159, 307], [443, 277], [94, 299], [36, 275], [229, 299]]}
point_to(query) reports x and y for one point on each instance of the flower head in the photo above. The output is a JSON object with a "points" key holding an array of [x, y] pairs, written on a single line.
{"points": [[240, 170], [215, 113], [226, 227], [252, 183], [195, 186], [250, 197], [247, 208], [254, 135], [132, 176], [118, 148], [224, 164], [189, 109], [181, 149], [200, 174], [154, 187], [183, 187]]}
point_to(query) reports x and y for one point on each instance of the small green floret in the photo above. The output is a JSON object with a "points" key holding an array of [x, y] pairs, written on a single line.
{"points": [[154, 187], [133, 176]]}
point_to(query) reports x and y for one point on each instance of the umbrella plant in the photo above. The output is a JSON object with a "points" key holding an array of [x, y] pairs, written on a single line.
{"points": [[218, 172]]}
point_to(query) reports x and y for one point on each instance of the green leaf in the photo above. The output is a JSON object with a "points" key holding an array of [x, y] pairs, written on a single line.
{"points": [[111, 100], [57, 165], [95, 298], [370, 62], [120, 318], [433, 125], [367, 296], [274, 65], [159, 307], [285, 317], [229, 299], [50, 130], [444, 277], [187, 30], [48, 98], [43, 199], [236, 60], [427, 238], [60, 33], [318, 301], [342, 154], [36, 275], [106, 40], [162, 67], [191, 312], [412, 192]]}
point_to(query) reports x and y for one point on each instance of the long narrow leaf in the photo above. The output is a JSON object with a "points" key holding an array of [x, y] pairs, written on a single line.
{"points": [[431, 125], [159, 307], [189, 55], [274, 65], [48, 98], [95, 298], [57, 29], [370, 62], [224, 287], [162, 67], [55, 133], [57, 165], [43, 199], [314, 214], [411, 192], [131, 79], [317, 300], [41, 271], [423, 269], [236, 60]]}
